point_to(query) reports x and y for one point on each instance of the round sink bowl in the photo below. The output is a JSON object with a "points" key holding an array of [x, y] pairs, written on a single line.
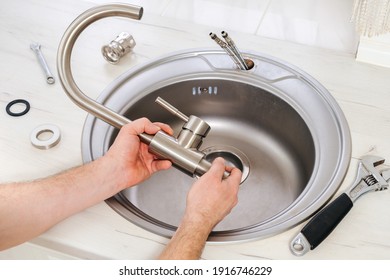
{"points": [[274, 122]]}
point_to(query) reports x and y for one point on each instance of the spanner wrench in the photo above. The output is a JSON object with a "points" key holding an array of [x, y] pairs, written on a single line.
{"points": [[324, 222], [37, 49]]}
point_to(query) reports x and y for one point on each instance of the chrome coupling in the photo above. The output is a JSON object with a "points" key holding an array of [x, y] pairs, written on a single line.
{"points": [[183, 151], [119, 47]]}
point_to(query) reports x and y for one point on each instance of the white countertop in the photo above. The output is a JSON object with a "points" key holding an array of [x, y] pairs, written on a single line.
{"points": [[362, 91]]}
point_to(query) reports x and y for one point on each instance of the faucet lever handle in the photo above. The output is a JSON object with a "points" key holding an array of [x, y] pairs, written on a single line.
{"points": [[171, 109]]}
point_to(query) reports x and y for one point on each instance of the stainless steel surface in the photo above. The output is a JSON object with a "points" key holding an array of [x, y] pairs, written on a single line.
{"points": [[119, 47], [172, 109], [299, 246], [188, 160], [289, 128], [165, 146], [368, 178], [386, 175], [42, 61]]}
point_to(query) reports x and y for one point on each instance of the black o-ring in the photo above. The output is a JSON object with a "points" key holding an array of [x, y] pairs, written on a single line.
{"points": [[17, 101]]}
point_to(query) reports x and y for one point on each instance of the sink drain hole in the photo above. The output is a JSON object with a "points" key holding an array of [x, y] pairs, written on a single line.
{"points": [[233, 157]]}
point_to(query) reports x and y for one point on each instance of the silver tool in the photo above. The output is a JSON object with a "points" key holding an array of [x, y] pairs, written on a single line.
{"points": [[37, 49], [368, 179]]}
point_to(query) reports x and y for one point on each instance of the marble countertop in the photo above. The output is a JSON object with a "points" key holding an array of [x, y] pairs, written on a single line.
{"points": [[362, 91]]}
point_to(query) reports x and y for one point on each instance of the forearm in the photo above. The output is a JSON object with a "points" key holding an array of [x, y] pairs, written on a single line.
{"points": [[29, 209], [188, 241]]}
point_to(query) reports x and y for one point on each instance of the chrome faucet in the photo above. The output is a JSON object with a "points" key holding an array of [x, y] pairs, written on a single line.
{"points": [[183, 151]]}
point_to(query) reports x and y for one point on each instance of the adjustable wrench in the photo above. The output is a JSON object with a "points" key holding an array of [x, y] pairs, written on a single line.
{"points": [[324, 222]]}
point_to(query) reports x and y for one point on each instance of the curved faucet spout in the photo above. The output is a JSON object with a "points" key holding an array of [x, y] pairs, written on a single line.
{"points": [[186, 159], [64, 55]]}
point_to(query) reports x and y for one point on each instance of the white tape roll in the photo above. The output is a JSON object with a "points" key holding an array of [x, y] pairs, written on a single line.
{"points": [[48, 143]]}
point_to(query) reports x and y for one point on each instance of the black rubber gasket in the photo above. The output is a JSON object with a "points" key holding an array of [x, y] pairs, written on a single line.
{"points": [[17, 101]]}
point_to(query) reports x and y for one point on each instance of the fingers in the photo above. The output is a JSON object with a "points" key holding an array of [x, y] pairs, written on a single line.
{"points": [[167, 129], [142, 125], [217, 168], [235, 176], [159, 165]]}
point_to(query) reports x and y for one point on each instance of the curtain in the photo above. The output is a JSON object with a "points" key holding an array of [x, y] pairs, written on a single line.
{"points": [[371, 17]]}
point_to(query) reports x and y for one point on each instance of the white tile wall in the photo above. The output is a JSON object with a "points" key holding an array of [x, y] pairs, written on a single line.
{"points": [[237, 15], [322, 23]]}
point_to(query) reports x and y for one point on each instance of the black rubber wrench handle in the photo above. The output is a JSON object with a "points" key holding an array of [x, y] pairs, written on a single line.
{"points": [[325, 221], [321, 225]]}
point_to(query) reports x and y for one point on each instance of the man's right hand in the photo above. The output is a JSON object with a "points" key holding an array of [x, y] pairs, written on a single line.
{"points": [[211, 197]]}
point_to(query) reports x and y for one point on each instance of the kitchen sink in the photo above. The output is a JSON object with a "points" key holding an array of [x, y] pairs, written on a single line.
{"points": [[275, 122]]}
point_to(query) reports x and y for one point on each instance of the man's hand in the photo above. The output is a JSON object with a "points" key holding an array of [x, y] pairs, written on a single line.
{"points": [[131, 157], [28, 209], [211, 198]]}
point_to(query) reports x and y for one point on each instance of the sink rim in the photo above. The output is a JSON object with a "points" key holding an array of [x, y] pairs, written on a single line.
{"points": [[250, 77]]}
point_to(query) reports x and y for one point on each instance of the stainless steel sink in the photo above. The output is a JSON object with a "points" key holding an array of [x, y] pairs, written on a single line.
{"points": [[274, 122]]}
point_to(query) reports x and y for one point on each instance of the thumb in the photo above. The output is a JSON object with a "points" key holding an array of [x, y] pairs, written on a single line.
{"points": [[235, 176], [218, 167]]}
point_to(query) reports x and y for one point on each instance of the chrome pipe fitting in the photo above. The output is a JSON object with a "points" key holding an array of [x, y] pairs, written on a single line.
{"points": [[232, 45], [183, 151], [171, 109], [185, 147], [194, 128], [193, 132], [187, 160], [119, 47], [230, 48]]}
